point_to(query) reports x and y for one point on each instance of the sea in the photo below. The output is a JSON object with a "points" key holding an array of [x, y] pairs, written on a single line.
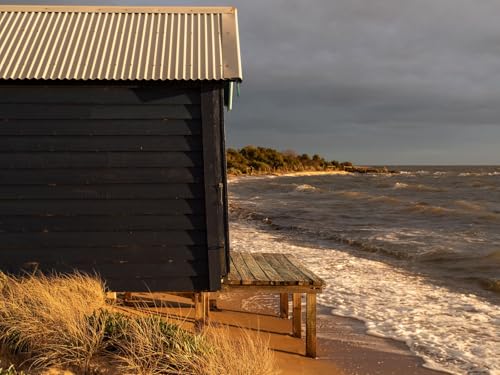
{"points": [[415, 254]]}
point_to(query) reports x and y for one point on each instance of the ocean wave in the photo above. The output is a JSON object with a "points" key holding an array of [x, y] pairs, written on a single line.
{"points": [[354, 194], [416, 187], [387, 199], [490, 284], [400, 185], [473, 206], [451, 330], [413, 173], [423, 207], [478, 174], [306, 188]]}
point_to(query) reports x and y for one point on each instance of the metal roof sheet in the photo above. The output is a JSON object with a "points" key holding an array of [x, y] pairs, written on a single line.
{"points": [[119, 43]]}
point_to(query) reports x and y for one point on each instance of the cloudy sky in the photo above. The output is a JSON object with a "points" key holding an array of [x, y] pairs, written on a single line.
{"points": [[375, 82]]}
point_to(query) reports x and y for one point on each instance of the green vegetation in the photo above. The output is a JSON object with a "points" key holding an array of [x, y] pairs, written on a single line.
{"points": [[261, 160]]}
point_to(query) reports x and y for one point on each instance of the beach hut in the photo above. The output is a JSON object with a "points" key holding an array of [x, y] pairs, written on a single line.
{"points": [[112, 142]]}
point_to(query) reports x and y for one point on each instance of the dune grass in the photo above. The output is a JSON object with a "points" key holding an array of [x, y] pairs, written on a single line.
{"points": [[65, 322], [239, 352], [47, 319]]}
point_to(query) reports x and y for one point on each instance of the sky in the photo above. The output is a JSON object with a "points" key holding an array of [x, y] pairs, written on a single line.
{"points": [[373, 82]]}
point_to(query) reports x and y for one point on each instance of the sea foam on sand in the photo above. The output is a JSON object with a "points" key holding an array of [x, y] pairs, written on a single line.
{"points": [[452, 331]]}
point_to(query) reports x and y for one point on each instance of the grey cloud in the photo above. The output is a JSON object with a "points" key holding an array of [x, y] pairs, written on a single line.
{"points": [[364, 79]]}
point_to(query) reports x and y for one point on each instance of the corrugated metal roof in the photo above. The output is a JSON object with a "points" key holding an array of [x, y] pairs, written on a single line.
{"points": [[119, 43]]}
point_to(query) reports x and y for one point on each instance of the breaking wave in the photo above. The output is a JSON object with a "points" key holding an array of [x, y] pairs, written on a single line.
{"points": [[416, 187], [306, 187]]}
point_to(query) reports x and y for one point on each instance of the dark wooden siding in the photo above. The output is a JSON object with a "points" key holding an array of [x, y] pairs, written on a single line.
{"points": [[108, 180]]}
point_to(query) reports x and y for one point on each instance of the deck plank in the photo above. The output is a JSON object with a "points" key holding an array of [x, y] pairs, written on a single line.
{"points": [[289, 278], [246, 276], [233, 277], [296, 269], [293, 270], [316, 280], [259, 275], [276, 278]]}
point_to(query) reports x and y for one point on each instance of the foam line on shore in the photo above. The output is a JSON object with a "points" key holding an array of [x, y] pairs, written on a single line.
{"points": [[452, 331]]}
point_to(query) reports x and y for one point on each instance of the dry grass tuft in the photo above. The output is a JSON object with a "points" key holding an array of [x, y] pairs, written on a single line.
{"points": [[46, 319], [64, 322], [236, 352]]}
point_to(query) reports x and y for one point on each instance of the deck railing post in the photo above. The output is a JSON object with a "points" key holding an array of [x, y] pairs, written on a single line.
{"points": [[297, 315], [284, 305], [311, 325]]}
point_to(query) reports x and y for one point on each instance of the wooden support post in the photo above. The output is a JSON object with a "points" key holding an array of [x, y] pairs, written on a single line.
{"points": [[311, 325], [212, 305], [297, 315], [284, 305], [198, 309], [127, 297], [111, 297], [201, 308], [206, 305]]}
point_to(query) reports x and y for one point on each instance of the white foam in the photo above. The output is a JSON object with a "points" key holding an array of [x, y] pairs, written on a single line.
{"points": [[451, 331], [400, 185], [305, 187]]}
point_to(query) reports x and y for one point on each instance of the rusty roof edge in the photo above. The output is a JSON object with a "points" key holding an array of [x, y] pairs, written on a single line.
{"points": [[116, 9]]}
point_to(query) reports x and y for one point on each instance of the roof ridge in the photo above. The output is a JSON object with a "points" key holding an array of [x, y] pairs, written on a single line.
{"points": [[117, 9]]}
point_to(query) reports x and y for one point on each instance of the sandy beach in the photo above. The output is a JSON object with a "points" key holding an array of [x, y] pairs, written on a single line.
{"points": [[289, 174], [344, 348]]}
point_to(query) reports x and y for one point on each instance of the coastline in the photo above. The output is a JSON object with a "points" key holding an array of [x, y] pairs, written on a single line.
{"points": [[344, 344], [344, 347], [352, 171], [233, 177]]}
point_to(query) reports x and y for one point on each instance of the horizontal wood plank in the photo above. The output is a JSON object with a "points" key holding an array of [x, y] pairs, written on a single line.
{"points": [[166, 284], [100, 127], [110, 191], [99, 95], [10, 241], [99, 143], [113, 271], [98, 111], [96, 176], [102, 207], [22, 224], [105, 255], [37, 160]]}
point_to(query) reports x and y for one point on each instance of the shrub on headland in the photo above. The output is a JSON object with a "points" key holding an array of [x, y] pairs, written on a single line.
{"points": [[256, 160], [251, 160]]}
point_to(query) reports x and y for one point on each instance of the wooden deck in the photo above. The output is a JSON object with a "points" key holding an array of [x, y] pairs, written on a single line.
{"points": [[283, 274]]}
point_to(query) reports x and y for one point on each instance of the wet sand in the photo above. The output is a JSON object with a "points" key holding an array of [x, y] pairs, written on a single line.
{"points": [[343, 345]]}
